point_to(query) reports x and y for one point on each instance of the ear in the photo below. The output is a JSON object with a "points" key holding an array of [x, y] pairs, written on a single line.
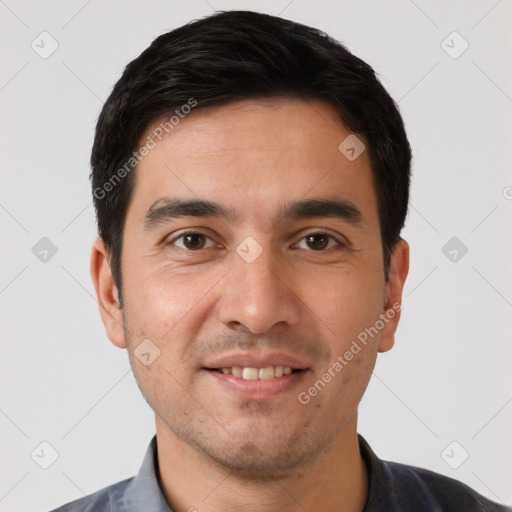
{"points": [[398, 270], [107, 294]]}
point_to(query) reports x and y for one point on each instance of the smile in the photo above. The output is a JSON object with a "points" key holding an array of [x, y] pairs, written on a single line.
{"points": [[249, 373]]}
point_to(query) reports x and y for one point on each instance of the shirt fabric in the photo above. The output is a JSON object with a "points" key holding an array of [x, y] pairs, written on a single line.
{"points": [[393, 487]]}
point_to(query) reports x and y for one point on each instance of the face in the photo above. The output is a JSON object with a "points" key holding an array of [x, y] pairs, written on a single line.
{"points": [[252, 246]]}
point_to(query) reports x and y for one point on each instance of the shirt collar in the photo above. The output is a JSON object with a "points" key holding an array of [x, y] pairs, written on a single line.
{"points": [[144, 492], [382, 483]]}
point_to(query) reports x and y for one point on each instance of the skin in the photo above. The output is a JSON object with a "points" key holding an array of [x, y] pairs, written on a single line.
{"points": [[217, 451]]}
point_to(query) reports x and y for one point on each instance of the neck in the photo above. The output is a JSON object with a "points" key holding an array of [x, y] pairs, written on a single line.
{"points": [[190, 481]]}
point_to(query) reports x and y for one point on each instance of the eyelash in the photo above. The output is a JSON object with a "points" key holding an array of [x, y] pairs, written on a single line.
{"points": [[331, 237]]}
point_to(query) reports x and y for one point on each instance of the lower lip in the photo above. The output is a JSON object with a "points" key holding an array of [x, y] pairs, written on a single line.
{"points": [[257, 389]]}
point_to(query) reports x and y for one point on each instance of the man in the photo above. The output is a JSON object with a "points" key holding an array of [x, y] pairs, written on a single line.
{"points": [[251, 180]]}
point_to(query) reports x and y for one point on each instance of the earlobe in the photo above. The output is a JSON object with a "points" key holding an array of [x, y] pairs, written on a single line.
{"points": [[107, 294], [398, 270]]}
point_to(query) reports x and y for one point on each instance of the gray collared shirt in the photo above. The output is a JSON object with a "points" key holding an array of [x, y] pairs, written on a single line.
{"points": [[136, 494], [393, 487]]}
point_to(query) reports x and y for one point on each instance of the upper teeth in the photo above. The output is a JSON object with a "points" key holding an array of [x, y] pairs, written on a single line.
{"points": [[269, 372]]}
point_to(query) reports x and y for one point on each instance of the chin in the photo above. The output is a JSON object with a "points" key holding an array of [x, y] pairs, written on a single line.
{"points": [[249, 462], [263, 457]]}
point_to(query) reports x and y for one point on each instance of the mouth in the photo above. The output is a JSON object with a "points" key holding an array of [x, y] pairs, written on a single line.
{"points": [[256, 376], [250, 383], [254, 373]]}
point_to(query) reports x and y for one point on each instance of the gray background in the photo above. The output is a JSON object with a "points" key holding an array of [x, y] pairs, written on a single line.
{"points": [[447, 379]]}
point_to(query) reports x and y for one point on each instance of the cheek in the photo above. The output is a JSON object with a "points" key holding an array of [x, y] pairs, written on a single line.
{"points": [[160, 381], [347, 301], [355, 378], [161, 302], [352, 368]]}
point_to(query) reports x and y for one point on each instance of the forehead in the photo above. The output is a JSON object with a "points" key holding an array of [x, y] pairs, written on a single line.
{"points": [[252, 156]]}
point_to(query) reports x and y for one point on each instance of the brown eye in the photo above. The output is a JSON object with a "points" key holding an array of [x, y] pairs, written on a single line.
{"points": [[192, 241], [317, 241]]}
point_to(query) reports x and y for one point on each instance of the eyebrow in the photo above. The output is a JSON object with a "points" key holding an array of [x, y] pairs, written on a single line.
{"points": [[340, 209], [167, 209]]}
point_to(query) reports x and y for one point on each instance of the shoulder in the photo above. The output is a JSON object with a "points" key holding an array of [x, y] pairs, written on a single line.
{"points": [[395, 487], [432, 491], [100, 501], [141, 492]]}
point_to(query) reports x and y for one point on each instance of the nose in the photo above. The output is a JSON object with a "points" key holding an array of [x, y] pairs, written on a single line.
{"points": [[259, 295]]}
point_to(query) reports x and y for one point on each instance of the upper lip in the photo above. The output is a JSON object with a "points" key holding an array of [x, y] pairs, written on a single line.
{"points": [[248, 360]]}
